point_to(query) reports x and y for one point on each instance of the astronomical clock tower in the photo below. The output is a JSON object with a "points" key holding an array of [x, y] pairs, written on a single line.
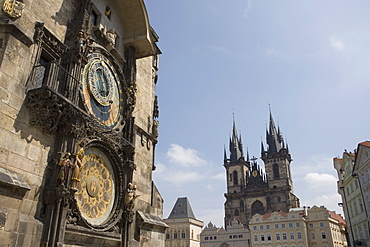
{"points": [[79, 125], [251, 189]]}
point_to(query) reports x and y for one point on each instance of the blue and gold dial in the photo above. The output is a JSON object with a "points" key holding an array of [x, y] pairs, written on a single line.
{"points": [[101, 90]]}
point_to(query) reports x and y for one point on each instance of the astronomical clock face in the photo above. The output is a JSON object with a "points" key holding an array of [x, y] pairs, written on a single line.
{"points": [[96, 190], [101, 91]]}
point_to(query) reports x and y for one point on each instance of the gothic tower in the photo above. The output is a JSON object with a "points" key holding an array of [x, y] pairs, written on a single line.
{"points": [[251, 189]]}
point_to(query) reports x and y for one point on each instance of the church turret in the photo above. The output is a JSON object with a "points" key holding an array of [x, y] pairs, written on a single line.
{"points": [[277, 161], [236, 146], [273, 137]]}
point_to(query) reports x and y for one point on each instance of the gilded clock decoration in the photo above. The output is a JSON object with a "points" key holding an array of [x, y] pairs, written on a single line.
{"points": [[101, 90], [95, 195], [254, 173]]}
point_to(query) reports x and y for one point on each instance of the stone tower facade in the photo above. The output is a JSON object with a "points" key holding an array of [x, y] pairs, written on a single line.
{"points": [[250, 189], [79, 124]]}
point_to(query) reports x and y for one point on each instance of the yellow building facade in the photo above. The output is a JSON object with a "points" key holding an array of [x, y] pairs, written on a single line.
{"points": [[307, 227]]}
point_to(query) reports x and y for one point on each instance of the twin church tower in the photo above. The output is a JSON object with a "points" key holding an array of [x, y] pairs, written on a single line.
{"points": [[250, 189]]}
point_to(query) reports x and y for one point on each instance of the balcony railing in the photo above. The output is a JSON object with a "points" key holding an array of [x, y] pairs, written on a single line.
{"points": [[53, 76]]}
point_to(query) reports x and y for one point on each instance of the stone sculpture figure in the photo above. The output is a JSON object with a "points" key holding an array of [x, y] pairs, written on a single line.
{"points": [[131, 196], [76, 169], [111, 36], [64, 165]]}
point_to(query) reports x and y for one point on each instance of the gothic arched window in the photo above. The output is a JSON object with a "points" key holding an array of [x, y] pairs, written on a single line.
{"points": [[236, 212], [257, 208], [235, 177], [275, 171]]}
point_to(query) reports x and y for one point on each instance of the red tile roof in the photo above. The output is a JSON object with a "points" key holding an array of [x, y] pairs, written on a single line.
{"points": [[337, 217], [268, 215]]}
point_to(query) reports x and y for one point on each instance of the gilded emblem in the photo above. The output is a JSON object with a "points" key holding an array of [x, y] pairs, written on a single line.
{"points": [[13, 8]]}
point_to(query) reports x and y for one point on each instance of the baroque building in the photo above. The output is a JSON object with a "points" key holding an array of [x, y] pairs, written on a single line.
{"points": [[352, 199], [233, 235], [300, 227], [250, 189], [184, 229], [79, 124]]}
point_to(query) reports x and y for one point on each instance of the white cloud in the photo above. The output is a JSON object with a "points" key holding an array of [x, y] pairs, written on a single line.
{"points": [[160, 168], [220, 176], [336, 43], [320, 181], [181, 177], [184, 156], [246, 10], [319, 162]]}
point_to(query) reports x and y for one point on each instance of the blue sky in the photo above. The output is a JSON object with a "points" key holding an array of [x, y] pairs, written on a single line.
{"points": [[309, 59]]}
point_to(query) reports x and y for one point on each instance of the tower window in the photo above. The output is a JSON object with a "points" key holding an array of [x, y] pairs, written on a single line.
{"points": [[235, 177], [275, 171], [236, 212]]}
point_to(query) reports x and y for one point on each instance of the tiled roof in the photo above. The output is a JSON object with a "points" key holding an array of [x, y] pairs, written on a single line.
{"points": [[268, 215], [365, 143], [337, 217], [182, 209]]}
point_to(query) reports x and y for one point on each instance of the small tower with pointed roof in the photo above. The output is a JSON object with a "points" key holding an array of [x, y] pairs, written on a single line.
{"points": [[184, 229]]}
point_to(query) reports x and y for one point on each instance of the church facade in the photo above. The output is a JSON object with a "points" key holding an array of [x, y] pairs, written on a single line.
{"points": [[79, 124], [253, 190]]}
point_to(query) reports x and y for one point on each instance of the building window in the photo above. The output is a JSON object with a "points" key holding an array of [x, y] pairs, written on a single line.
{"points": [[240, 236], [290, 225], [261, 227], [167, 236], [283, 225], [268, 237], [323, 235], [215, 237], [293, 216], [276, 226], [235, 177], [236, 212], [235, 236], [255, 228], [311, 224], [206, 238], [210, 238], [267, 227], [321, 224], [262, 237], [299, 235], [355, 206], [255, 238], [230, 236], [313, 235], [183, 235], [292, 235], [275, 171], [277, 236], [175, 235], [316, 216], [297, 224], [360, 203], [284, 236]]}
